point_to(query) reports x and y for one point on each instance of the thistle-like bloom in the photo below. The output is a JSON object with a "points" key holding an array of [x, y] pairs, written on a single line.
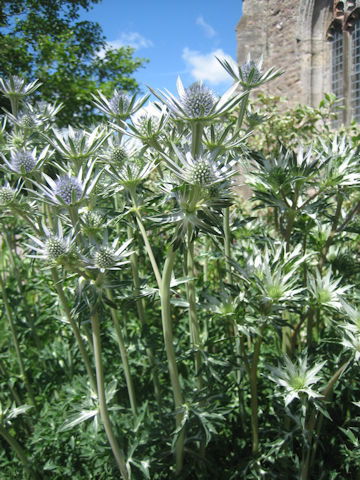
{"points": [[351, 336], [91, 221], [116, 153], [198, 103], [17, 88], [120, 106], [68, 190], [24, 161], [110, 257], [78, 145], [204, 170], [54, 248], [249, 74], [132, 173], [325, 291], [148, 123], [297, 379]]}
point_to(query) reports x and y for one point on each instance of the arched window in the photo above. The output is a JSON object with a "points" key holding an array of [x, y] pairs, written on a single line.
{"points": [[344, 34]]}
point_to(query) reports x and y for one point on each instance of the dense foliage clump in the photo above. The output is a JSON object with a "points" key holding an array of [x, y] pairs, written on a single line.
{"points": [[156, 324]]}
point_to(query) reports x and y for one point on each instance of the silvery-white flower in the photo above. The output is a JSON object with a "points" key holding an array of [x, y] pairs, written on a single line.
{"points": [[198, 103], [297, 379], [78, 145], [110, 256], [120, 105], [205, 170], [16, 87], [54, 247], [25, 161], [249, 75], [67, 189]]}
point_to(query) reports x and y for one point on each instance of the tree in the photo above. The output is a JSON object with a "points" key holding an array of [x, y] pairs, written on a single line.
{"points": [[45, 39]]}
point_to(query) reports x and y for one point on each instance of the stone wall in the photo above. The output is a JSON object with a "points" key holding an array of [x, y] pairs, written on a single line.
{"points": [[291, 36]]}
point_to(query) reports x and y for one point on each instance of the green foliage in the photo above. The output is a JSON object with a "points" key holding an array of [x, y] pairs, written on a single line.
{"points": [[157, 325], [45, 40]]}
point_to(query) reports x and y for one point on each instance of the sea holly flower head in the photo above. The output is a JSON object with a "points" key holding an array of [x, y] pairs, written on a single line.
{"points": [[204, 170], [325, 291], [198, 103], [24, 162], [68, 190], [297, 378], [55, 248], [249, 74], [132, 173], [78, 145], [17, 88], [91, 221], [109, 256], [148, 123], [120, 106], [117, 152]]}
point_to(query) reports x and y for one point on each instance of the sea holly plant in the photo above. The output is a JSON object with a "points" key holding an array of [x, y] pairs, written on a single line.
{"points": [[155, 320]]}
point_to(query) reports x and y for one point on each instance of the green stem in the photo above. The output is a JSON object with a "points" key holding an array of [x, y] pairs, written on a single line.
{"points": [[19, 451], [69, 317], [142, 318], [146, 242], [104, 414], [254, 396], [197, 131], [340, 199], [242, 110], [124, 358], [16, 344], [227, 245], [191, 297], [306, 463], [170, 353]]}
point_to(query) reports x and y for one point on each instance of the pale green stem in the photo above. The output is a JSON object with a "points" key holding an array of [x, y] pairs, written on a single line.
{"points": [[19, 451], [147, 243], [197, 131], [104, 414], [69, 317], [242, 110], [124, 357], [254, 396], [191, 297], [170, 353], [16, 344], [142, 318], [227, 244]]}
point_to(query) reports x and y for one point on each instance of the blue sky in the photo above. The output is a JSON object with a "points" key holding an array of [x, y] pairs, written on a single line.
{"points": [[178, 37]]}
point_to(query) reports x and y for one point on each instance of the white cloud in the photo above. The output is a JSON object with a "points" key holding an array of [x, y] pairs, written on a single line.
{"points": [[208, 29], [206, 67], [132, 39]]}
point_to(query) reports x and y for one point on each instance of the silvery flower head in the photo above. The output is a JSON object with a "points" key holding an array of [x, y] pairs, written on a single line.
{"points": [[78, 145], [110, 256], [16, 87], [120, 105], [24, 161], [54, 247], [117, 152], [198, 103], [205, 170], [148, 123], [297, 379], [250, 73], [67, 189]]}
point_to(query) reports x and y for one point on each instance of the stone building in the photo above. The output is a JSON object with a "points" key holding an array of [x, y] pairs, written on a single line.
{"points": [[315, 42]]}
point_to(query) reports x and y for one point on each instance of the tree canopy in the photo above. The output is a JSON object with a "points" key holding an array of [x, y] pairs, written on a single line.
{"points": [[45, 39]]}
